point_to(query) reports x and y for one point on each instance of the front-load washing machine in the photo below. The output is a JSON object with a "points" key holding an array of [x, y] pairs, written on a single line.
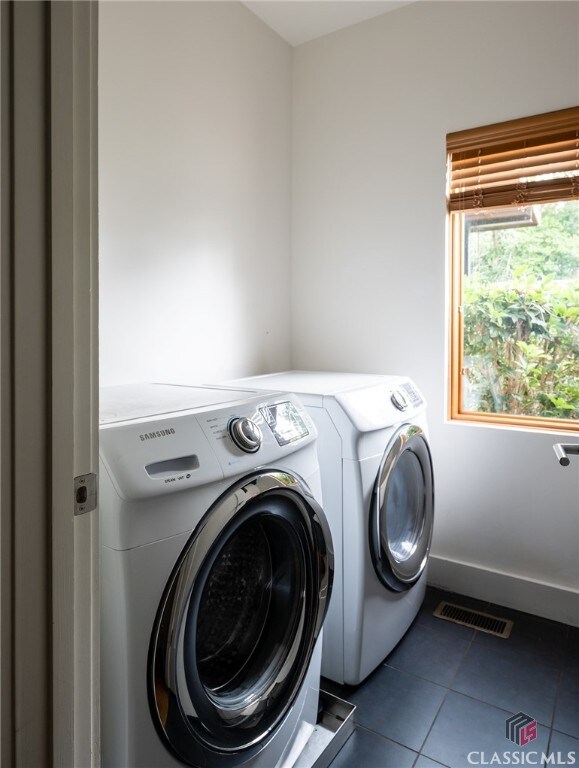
{"points": [[377, 484], [216, 573]]}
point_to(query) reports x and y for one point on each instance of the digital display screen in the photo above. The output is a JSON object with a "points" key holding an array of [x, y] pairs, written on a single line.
{"points": [[413, 395], [285, 421]]}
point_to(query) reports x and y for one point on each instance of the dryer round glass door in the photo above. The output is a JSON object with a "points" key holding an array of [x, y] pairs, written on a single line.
{"points": [[401, 513], [237, 625]]}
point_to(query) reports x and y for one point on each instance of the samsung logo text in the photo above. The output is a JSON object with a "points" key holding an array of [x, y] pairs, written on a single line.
{"points": [[159, 433]]}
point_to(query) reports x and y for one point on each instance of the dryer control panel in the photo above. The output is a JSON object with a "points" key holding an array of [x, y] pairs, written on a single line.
{"points": [[406, 396], [382, 405]]}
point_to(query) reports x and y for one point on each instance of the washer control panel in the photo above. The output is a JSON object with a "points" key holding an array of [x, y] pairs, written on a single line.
{"points": [[264, 428], [149, 449]]}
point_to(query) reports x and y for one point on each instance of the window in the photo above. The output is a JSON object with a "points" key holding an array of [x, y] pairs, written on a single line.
{"points": [[513, 203]]}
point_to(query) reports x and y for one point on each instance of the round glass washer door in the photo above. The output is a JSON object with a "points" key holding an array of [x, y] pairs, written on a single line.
{"points": [[402, 509], [238, 621]]}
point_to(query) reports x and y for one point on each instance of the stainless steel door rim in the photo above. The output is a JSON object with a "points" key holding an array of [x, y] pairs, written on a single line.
{"points": [[402, 509], [265, 540]]}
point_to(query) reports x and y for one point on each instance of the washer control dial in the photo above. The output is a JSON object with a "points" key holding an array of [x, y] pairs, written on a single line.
{"points": [[399, 400], [245, 434]]}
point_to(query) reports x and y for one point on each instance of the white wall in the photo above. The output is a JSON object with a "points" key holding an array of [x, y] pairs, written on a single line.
{"points": [[194, 159], [195, 180], [372, 106]]}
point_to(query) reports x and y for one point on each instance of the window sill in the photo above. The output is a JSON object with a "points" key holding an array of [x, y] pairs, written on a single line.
{"points": [[521, 423]]}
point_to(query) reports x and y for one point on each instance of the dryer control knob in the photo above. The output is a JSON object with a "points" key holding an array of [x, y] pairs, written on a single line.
{"points": [[399, 400], [245, 434]]}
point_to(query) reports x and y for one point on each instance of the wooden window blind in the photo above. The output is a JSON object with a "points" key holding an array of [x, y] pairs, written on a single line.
{"points": [[516, 163]]}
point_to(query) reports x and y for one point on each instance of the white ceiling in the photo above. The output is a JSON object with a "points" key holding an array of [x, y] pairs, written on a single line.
{"points": [[298, 21]]}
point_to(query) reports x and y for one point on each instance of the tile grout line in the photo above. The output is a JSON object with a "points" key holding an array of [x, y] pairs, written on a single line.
{"points": [[556, 704], [448, 690], [387, 738]]}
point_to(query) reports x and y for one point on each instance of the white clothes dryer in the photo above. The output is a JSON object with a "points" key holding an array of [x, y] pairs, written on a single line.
{"points": [[378, 490], [216, 574]]}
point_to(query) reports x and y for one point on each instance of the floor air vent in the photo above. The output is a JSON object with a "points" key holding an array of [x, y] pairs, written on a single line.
{"points": [[484, 622]]}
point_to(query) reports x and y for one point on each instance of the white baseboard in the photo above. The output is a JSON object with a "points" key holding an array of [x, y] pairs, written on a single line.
{"points": [[546, 600]]}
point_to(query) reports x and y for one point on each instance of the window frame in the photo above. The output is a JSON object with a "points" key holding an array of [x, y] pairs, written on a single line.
{"points": [[456, 412], [455, 237]]}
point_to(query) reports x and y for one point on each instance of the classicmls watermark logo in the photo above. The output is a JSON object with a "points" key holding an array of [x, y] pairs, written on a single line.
{"points": [[521, 729]]}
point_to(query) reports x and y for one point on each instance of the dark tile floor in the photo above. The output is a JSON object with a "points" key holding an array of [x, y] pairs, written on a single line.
{"points": [[447, 690]]}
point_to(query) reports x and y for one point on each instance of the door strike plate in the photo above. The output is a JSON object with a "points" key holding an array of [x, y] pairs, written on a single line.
{"points": [[85, 493]]}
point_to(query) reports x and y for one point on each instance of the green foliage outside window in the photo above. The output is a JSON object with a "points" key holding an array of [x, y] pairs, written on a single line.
{"points": [[521, 317]]}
